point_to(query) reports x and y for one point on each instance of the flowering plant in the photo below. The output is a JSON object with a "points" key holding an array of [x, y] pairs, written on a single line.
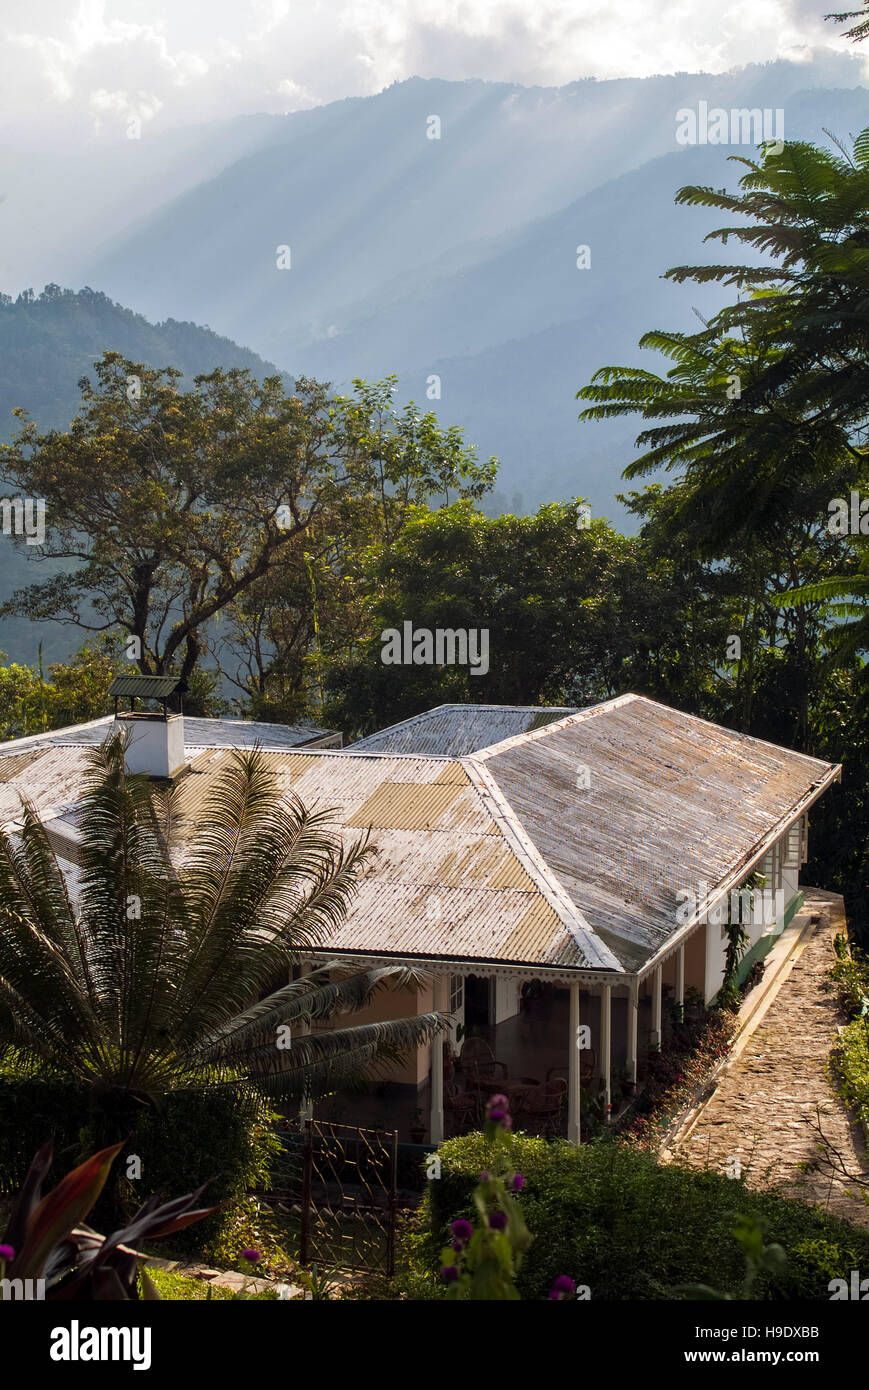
{"points": [[483, 1263]]}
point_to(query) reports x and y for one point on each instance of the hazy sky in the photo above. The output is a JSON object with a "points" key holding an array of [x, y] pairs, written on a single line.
{"points": [[88, 65]]}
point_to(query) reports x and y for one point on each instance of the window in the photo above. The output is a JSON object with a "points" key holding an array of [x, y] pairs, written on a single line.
{"points": [[457, 994], [766, 867], [793, 844]]}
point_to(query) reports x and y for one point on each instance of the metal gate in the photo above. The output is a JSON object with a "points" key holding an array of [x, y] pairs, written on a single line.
{"points": [[348, 1199]]}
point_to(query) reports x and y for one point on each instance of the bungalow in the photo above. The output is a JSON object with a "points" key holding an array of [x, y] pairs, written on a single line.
{"points": [[589, 854]]}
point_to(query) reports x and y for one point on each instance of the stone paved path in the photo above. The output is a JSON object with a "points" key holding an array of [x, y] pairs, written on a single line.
{"points": [[765, 1106]]}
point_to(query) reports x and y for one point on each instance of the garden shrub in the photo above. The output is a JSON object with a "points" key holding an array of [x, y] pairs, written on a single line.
{"points": [[850, 975], [612, 1218], [851, 1062], [183, 1139]]}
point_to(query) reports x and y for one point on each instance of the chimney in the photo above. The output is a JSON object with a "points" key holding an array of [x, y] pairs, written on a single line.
{"points": [[156, 744]]}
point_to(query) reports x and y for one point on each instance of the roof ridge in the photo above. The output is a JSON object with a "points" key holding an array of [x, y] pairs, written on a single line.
{"points": [[579, 716], [582, 933]]}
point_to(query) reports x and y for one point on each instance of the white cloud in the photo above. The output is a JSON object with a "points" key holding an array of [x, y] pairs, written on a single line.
{"points": [[79, 65]]}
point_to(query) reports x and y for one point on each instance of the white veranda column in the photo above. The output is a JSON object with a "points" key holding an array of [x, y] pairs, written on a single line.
{"points": [[633, 1010], [573, 1132], [606, 1046], [436, 1128], [680, 975], [656, 1008]]}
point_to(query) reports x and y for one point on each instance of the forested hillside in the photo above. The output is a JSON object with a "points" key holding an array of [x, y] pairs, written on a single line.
{"points": [[49, 341]]}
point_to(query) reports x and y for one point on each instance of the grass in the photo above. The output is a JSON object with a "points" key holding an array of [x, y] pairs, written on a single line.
{"points": [[179, 1287]]}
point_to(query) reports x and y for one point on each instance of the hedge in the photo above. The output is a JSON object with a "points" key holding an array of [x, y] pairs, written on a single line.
{"points": [[183, 1139], [628, 1227]]}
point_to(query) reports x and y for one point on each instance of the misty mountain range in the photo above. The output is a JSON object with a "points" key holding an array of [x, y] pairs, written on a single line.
{"points": [[453, 258]]}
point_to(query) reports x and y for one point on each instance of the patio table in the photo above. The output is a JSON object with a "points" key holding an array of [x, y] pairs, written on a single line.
{"points": [[507, 1088]]}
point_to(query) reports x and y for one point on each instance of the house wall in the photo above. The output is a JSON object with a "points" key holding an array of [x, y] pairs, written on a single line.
{"points": [[695, 961], [387, 1004], [781, 870], [716, 949]]}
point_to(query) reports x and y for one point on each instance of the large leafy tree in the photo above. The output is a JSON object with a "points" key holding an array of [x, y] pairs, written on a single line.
{"points": [[169, 506], [768, 682], [766, 409], [169, 966], [308, 611], [574, 613], [763, 419]]}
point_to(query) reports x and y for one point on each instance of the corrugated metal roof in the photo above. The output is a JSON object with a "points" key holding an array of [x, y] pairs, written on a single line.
{"points": [[458, 730], [216, 733], [13, 763], [445, 881], [146, 687], [51, 780], [672, 801], [501, 856]]}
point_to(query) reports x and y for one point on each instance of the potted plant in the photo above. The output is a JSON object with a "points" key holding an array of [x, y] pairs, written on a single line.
{"points": [[417, 1128], [623, 1088], [695, 1005]]}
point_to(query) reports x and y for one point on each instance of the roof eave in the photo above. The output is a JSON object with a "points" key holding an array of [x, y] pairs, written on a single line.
{"points": [[742, 870]]}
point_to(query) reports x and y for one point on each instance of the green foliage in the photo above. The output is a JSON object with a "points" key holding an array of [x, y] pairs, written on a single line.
{"points": [[159, 983], [158, 979], [173, 1287], [728, 996], [247, 1223], [184, 1139], [576, 614], [70, 693], [49, 1239], [762, 416], [859, 31], [759, 1257], [614, 1219], [483, 1261], [320, 1284], [851, 1061], [170, 507], [850, 974]]}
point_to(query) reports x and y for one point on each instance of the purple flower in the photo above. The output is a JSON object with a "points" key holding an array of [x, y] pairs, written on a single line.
{"points": [[498, 1111], [449, 1274], [7, 1253], [462, 1230], [498, 1220], [251, 1255], [563, 1287], [458, 1246], [518, 1182], [484, 1177]]}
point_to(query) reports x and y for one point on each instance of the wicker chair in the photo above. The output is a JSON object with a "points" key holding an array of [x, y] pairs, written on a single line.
{"points": [[540, 1107], [463, 1107], [478, 1062]]}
